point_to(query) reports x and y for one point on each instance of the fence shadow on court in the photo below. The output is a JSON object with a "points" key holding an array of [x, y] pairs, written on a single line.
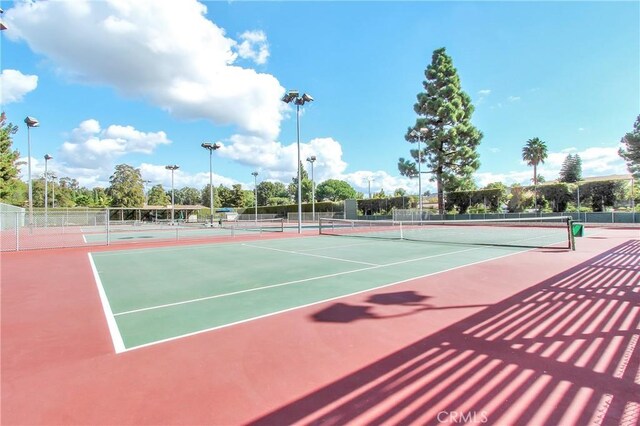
{"points": [[565, 351], [412, 303]]}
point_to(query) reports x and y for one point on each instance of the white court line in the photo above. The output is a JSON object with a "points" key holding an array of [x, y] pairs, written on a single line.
{"points": [[323, 300], [116, 337], [374, 266], [217, 296], [311, 255], [367, 243]]}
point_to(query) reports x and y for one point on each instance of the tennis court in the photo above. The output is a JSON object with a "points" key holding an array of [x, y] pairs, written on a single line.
{"points": [[159, 294], [366, 323]]}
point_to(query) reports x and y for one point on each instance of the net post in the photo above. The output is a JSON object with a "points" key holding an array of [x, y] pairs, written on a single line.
{"points": [[401, 235], [572, 239]]}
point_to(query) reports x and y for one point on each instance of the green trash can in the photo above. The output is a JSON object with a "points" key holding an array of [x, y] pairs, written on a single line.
{"points": [[577, 229]]}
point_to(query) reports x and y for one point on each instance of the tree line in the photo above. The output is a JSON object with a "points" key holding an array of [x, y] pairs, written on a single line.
{"points": [[446, 147], [127, 187], [446, 150]]}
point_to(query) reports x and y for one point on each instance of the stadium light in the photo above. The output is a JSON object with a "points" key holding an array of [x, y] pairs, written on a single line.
{"points": [[47, 157], [2, 25], [30, 122], [255, 189], [173, 206], [294, 96], [211, 147], [312, 160]]}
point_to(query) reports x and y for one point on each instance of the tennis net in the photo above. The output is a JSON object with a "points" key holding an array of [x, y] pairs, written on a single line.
{"points": [[260, 225], [552, 232]]}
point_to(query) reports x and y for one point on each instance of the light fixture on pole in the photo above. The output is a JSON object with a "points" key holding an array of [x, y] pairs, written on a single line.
{"points": [[418, 135], [294, 96], [2, 25], [211, 147], [30, 122], [312, 160], [47, 157], [173, 169], [255, 189], [370, 179]]}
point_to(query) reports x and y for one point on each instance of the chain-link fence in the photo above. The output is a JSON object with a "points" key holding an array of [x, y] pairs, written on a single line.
{"points": [[311, 217], [92, 227], [49, 229], [585, 217]]}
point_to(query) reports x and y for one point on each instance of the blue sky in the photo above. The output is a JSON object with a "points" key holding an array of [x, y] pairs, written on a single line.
{"points": [[146, 82]]}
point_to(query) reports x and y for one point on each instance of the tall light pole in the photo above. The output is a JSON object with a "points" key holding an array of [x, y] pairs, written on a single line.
{"points": [[47, 157], [370, 179], [255, 189], [312, 160], [30, 122], [294, 96], [211, 147], [418, 135], [53, 190], [173, 206], [146, 192], [633, 202]]}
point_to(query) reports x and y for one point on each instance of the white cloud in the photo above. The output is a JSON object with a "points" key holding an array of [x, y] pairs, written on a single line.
{"points": [[254, 46], [482, 94], [513, 98], [602, 161], [596, 161], [277, 161], [14, 85], [171, 56], [90, 153], [509, 178], [381, 180], [158, 174]]}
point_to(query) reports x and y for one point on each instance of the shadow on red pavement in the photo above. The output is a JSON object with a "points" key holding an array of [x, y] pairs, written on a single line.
{"points": [[564, 351]]}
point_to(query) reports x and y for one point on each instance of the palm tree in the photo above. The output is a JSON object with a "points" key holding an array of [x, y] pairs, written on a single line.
{"points": [[534, 153]]}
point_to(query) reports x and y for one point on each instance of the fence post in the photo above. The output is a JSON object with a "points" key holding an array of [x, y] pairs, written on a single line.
{"points": [[17, 231], [108, 227]]}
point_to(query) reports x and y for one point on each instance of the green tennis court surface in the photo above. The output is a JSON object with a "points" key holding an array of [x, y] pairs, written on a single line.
{"points": [[159, 294]]}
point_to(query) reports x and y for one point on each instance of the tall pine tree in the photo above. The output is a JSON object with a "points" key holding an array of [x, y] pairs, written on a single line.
{"points": [[571, 170], [631, 150], [449, 140]]}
